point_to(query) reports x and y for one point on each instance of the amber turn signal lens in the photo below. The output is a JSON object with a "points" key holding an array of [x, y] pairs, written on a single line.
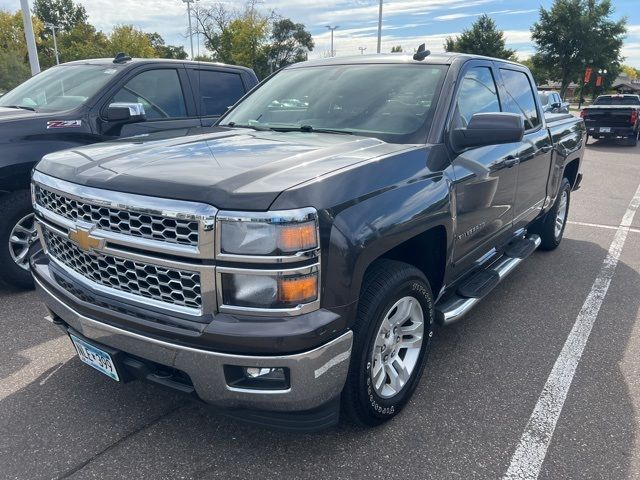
{"points": [[295, 290], [296, 238]]}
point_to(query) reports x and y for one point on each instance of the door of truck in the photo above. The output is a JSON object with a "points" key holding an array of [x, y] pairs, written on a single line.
{"points": [[485, 177], [534, 152], [164, 91]]}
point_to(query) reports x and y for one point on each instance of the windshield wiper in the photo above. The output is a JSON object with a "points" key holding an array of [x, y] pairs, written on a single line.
{"points": [[21, 107], [311, 129], [260, 128]]}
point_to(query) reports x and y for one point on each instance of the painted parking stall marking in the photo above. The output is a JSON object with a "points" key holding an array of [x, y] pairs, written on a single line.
{"points": [[532, 449]]}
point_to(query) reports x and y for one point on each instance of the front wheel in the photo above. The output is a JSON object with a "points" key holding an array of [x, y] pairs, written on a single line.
{"points": [[17, 231], [392, 336]]}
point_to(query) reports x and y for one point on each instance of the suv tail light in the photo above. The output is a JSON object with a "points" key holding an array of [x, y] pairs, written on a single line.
{"points": [[583, 113], [634, 117]]}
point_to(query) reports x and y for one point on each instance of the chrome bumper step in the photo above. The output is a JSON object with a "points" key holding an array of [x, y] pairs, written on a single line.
{"points": [[456, 306]]}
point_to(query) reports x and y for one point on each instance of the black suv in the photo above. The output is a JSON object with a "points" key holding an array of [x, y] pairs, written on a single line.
{"points": [[89, 101]]}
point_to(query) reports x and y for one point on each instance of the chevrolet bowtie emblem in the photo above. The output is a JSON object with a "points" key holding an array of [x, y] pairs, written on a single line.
{"points": [[82, 237]]}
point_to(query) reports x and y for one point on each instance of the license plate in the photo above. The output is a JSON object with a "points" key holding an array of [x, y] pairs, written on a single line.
{"points": [[605, 129], [93, 356]]}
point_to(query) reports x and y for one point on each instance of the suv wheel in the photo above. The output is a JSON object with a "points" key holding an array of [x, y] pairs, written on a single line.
{"points": [[392, 336], [17, 231]]}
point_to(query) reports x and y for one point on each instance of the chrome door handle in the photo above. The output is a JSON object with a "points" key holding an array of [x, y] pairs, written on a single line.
{"points": [[511, 161]]}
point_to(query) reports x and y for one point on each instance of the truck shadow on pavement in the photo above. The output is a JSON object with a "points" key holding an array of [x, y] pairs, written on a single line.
{"points": [[482, 382]]}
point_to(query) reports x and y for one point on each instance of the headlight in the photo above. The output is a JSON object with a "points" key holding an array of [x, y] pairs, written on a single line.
{"points": [[269, 289], [273, 234]]}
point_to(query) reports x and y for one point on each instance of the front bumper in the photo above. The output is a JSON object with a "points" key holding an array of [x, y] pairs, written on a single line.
{"points": [[316, 377]]}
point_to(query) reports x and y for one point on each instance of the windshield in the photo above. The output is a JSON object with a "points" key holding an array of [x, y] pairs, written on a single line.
{"points": [[630, 100], [59, 88], [393, 102]]}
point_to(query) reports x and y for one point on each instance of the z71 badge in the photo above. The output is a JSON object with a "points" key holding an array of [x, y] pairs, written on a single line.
{"points": [[64, 124]]}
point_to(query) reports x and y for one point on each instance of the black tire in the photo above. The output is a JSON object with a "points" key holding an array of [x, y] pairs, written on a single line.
{"points": [[386, 283], [546, 227], [13, 207], [633, 141]]}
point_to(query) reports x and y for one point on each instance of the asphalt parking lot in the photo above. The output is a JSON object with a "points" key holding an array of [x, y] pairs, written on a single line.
{"points": [[61, 419]]}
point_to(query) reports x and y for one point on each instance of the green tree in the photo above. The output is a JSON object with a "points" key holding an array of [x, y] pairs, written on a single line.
{"points": [[540, 74], [483, 38], [166, 51], [130, 40], [13, 69], [290, 43], [252, 38], [82, 42], [396, 49], [12, 32], [65, 14], [575, 34]]}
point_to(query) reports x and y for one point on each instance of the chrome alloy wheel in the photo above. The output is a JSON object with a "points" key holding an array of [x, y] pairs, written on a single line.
{"points": [[397, 347], [20, 238], [561, 216]]}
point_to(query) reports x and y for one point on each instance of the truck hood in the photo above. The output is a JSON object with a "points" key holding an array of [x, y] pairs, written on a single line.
{"points": [[15, 114], [229, 169]]}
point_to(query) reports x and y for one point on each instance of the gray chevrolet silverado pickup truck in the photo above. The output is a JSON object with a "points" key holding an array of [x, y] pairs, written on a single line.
{"points": [[293, 262]]}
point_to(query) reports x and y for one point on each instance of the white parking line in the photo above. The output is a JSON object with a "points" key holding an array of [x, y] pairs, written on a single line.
{"points": [[532, 449], [599, 225]]}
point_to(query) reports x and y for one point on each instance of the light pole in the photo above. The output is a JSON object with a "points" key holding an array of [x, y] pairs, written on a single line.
{"points": [[30, 37], [333, 53], [55, 43], [380, 27], [188, 2], [362, 49]]}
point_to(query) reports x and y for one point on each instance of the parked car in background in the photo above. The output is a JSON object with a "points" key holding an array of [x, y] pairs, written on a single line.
{"points": [[292, 263], [552, 102], [614, 117], [90, 101]]}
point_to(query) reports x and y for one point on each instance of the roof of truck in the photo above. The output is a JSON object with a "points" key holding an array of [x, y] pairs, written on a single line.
{"points": [[395, 58], [142, 61]]}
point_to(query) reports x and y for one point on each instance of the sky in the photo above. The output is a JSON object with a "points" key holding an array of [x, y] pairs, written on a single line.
{"points": [[405, 22]]}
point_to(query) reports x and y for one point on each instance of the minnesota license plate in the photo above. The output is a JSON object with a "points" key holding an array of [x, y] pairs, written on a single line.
{"points": [[605, 129], [93, 356]]}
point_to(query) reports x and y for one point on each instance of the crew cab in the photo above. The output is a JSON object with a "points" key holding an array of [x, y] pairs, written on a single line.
{"points": [[293, 262], [613, 117], [90, 101]]}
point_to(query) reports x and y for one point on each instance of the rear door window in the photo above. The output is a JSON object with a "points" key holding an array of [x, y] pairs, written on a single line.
{"points": [[159, 91], [520, 97], [218, 91]]}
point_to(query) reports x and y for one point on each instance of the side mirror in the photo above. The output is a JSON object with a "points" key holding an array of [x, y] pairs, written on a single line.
{"points": [[489, 129], [556, 105], [126, 112]]}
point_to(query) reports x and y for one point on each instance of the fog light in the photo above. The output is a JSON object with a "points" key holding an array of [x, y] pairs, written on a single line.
{"points": [[264, 373], [257, 378]]}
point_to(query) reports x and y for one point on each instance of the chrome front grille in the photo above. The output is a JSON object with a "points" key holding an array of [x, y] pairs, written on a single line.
{"points": [[137, 224], [145, 251], [162, 284]]}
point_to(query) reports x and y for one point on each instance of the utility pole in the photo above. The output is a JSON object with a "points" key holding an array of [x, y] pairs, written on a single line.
{"points": [[380, 27], [29, 37], [55, 43], [333, 53], [362, 49], [188, 2]]}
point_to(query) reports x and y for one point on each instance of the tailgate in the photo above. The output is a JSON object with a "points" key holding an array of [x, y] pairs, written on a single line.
{"points": [[608, 117]]}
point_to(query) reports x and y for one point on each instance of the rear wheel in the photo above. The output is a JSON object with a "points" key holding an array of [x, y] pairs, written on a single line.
{"points": [[551, 226], [392, 336], [17, 231]]}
